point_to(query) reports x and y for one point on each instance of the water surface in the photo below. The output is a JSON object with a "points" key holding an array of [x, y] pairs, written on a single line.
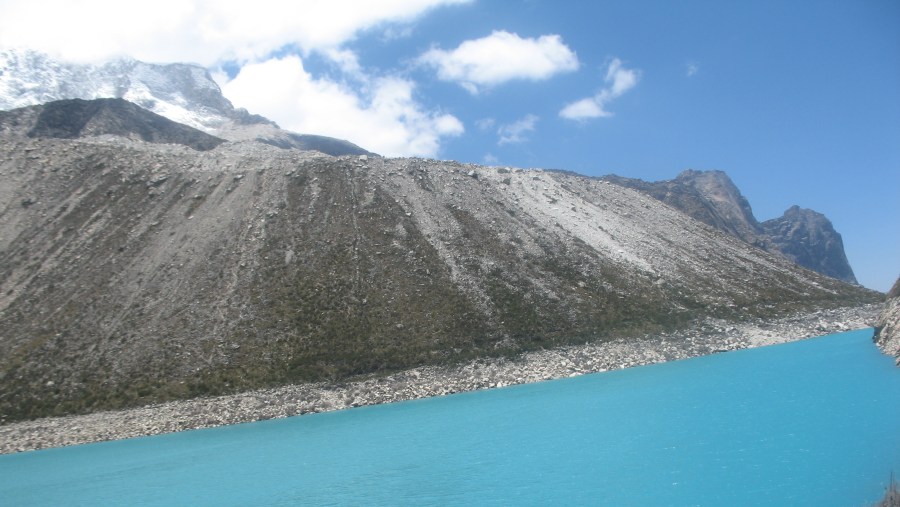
{"points": [[815, 422]]}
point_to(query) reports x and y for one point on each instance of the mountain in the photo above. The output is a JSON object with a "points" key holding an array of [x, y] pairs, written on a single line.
{"points": [[803, 236], [809, 239], [134, 272], [183, 93], [69, 119], [187, 94], [708, 196]]}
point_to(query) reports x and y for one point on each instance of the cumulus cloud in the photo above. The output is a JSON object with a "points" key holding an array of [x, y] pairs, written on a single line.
{"points": [[380, 114], [584, 108], [384, 118], [516, 132], [501, 57], [200, 31], [618, 80]]}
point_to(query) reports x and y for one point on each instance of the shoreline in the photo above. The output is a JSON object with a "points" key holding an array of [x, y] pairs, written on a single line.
{"points": [[704, 338]]}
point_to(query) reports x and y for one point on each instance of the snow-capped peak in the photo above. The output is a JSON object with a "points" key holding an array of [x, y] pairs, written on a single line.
{"points": [[181, 92]]}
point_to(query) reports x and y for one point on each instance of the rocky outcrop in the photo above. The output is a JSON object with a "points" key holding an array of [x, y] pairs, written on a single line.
{"points": [[809, 239], [891, 495], [887, 329], [133, 273], [71, 119], [803, 236], [730, 210]]}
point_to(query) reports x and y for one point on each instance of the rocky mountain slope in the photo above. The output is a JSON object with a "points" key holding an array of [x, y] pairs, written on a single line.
{"points": [[183, 93], [887, 329], [801, 235], [133, 272]]}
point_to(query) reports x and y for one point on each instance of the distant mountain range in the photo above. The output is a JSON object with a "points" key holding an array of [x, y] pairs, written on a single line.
{"points": [[183, 93], [143, 260], [801, 235]]}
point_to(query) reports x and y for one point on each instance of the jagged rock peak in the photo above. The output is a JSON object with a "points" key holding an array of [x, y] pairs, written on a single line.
{"points": [[76, 118], [808, 238], [723, 194], [708, 196]]}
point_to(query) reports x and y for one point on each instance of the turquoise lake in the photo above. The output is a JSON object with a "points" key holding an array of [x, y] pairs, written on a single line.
{"points": [[815, 422]]}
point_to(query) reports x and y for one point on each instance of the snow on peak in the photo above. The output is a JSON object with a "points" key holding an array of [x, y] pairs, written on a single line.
{"points": [[181, 92]]}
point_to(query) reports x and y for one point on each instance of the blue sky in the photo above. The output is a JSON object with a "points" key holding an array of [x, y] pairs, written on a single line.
{"points": [[798, 101]]}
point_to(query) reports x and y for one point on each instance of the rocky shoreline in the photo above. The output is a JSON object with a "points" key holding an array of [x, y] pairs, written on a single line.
{"points": [[887, 328], [708, 337]]}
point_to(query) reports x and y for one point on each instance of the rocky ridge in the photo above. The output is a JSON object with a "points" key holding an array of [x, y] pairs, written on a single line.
{"points": [[708, 337]]}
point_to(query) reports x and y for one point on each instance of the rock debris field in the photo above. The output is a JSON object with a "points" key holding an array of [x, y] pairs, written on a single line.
{"points": [[709, 337]]}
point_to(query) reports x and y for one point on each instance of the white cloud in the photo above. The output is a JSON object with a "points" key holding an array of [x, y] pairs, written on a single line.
{"points": [[584, 108], [346, 60], [501, 57], [380, 114], [692, 69], [200, 31], [515, 132], [618, 80], [384, 117]]}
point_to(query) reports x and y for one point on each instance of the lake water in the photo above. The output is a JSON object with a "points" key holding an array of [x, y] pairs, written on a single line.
{"points": [[815, 422]]}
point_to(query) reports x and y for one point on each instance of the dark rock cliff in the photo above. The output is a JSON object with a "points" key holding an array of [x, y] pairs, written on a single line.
{"points": [[71, 119], [809, 239]]}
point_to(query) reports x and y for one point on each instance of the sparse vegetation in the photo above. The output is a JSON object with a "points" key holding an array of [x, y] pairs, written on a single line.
{"points": [[119, 286]]}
